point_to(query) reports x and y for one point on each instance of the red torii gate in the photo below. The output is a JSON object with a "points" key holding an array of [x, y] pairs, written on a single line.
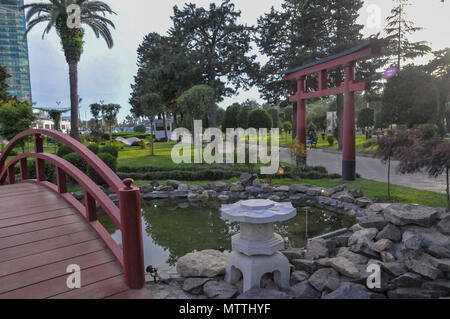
{"points": [[347, 60]]}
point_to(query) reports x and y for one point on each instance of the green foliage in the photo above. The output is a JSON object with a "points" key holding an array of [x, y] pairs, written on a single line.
{"points": [[77, 161], [4, 76], [15, 117], [242, 119], [230, 120], [366, 118], [275, 117], [109, 150], [330, 140], [260, 118], [428, 131], [218, 44], [64, 150], [287, 126], [318, 116], [109, 160], [118, 145], [410, 98], [140, 129], [50, 170], [197, 100], [93, 148]]}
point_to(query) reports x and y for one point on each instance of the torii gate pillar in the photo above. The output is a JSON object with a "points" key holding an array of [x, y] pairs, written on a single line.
{"points": [[348, 151]]}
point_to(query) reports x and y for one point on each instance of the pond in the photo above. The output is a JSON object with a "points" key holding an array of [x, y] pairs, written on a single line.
{"points": [[174, 230]]}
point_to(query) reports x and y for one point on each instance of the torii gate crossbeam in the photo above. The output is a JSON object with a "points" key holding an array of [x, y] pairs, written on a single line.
{"points": [[347, 60]]}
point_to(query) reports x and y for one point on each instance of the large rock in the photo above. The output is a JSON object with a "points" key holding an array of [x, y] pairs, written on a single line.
{"points": [[439, 284], [206, 263], [294, 253], [353, 257], [331, 191], [412, 240], [444, 226], [430, 236], [345, 197], [390, 232], [363, 236], [365, 250], [422, 268], [375, 221], [298, 276], [408, 280], [344, 266], [173, 184], [305, 265], [261, 294], [402, 215], [195, 285], [299, 188], [348, 292], [247, 179], [325, 279], [319, 248], [438, 251], [441, 264], [363, 202], [382, 245], [304, 290], [183, 188], [219, 290], [221, 186], [237, 187]]}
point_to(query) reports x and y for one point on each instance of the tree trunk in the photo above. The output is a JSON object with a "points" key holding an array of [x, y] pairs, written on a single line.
{"points": [[448, 190], [73, 78], [212, 115], [389, 178], [153, 139], [340, 116], [294, 123], [165, 127]]}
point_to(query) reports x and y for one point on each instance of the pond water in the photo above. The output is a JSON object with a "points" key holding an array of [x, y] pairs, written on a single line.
{"points": [[174, 230]]}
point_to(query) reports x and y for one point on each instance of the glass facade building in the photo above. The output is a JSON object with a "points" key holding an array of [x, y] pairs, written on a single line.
{"points": [[14, 48]]}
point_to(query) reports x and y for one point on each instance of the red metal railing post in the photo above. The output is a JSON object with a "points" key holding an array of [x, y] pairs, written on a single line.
{"points": [[23, 169], [40, 165], [11, 175], [91, 206], [61, 180], [131, 227]]}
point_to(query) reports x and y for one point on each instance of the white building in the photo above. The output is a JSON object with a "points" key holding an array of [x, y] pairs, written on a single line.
{"points": [[43, 121]]}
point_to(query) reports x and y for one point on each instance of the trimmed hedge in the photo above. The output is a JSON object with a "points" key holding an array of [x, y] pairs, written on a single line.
{"points": [[199, 175], [64, 150], [109, 150], [77, 161], [109, 160], [50, 170], [93, 148]]}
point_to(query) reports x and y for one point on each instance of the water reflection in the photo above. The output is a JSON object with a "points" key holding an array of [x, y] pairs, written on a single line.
{"points": [[173, 230]]}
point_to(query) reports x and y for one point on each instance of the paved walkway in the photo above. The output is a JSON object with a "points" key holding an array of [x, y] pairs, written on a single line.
{"points": [[370, 168]]}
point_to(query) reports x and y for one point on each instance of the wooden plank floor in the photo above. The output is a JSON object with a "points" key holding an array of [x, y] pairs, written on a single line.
{"points": [[40, 235]]}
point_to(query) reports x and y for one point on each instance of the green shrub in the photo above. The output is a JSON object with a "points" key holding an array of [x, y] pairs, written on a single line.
{"points": [[109, 160], [110, 150], [140, 129], [64, 150], [428, 131], [260, 118], [118, 145], [142, 144], [93, 148], [50, 170], [330, 140], [287, 126], [77, 161]]}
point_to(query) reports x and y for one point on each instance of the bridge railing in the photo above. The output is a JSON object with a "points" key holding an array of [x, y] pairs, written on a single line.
{"points": [[127, 216]]}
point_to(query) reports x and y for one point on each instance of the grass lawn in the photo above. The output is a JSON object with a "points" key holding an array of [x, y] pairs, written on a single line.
{"points": [[285, 139]]}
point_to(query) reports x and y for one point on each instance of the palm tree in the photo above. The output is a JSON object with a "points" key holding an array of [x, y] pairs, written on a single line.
{"points": [[54, 13]]}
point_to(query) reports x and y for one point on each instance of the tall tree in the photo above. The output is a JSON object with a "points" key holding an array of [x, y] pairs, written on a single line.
{"points": [[15, 117], [439, 68], [4, 76], [55, 14], [398, 29], [110, 112], [219, 44]]}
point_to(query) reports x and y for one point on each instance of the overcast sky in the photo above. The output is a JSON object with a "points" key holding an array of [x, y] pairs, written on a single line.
{"points": [[107, 74]]}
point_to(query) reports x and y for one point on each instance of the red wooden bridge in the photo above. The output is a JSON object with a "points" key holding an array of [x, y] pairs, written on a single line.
{"points": [[44, 229]]}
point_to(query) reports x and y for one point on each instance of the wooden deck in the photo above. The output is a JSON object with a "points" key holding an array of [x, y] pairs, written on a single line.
{"points": [[40, 235]]}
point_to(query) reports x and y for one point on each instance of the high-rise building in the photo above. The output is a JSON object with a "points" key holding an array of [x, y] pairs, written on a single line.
{"points": [[14, 48]]}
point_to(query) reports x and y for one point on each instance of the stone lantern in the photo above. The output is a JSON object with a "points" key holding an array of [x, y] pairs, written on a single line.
{"points": [[255, 250]]}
